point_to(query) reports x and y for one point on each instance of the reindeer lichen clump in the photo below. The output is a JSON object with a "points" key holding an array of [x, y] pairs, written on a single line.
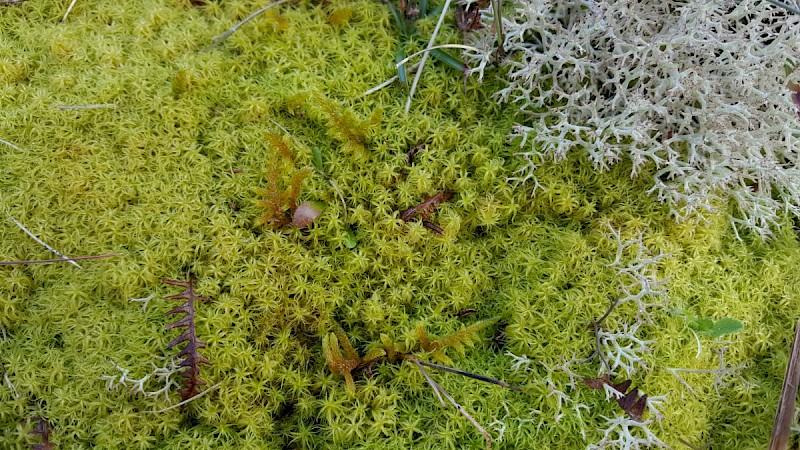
{"points": [[701, 96]]}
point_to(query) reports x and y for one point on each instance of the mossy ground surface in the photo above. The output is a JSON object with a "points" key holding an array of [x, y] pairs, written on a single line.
{"points": [[166, 179]]}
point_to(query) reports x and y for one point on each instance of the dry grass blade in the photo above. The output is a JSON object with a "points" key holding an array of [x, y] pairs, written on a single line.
{"points": [[69, 9], [178, 405], [3, 141], [435, 47], [785, 412], [418, 75], [48, 261], [222, 37], [64, 257], [80, 107], [441, 392]]}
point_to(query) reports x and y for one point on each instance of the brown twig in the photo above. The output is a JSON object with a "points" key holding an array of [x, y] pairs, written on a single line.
{"points": [[47, 261], [414, 150], [786, 405], [426, 207]]}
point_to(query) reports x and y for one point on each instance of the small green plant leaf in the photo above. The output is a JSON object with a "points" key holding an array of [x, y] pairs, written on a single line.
{"points": [[725, 326], [317, 154], [716, 329], [350, 240], [399, 22], [701, 325]]}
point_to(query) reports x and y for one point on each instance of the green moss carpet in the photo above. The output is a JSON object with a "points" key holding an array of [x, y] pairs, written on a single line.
{"points": [[131, 136]]}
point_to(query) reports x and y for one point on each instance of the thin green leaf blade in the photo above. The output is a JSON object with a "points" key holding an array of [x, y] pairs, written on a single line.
{"points": [[317, 156], [448, 60], [401, 69]]}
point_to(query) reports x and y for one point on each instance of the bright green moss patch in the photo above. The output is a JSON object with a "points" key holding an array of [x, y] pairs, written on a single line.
{"points": [[167, 178]]}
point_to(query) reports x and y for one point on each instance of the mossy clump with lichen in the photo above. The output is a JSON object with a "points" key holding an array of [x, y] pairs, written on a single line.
{"points": [[164, 169]]}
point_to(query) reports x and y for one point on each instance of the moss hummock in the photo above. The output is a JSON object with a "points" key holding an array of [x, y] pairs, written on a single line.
{"points": [[165, 170]]}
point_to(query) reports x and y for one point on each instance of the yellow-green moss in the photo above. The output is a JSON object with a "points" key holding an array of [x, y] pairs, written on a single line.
{"points": [[166, 178]]}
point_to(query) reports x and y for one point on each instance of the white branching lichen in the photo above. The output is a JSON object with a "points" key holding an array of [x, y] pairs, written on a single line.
{"points": [[638, 278], [623, 350], [695, 93], [723, 374], [628, 434], [164, 376]]}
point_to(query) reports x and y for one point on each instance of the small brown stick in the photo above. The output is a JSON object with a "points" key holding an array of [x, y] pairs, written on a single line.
{"points": [[474, 376], [414, 150], [427, 206], [433, 227], [47, 261], [466, 312], [786, 405], [441, 392]]}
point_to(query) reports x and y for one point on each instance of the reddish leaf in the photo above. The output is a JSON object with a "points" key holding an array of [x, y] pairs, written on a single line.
{"points": [[622, 387], [596, 383], [42, 429]]}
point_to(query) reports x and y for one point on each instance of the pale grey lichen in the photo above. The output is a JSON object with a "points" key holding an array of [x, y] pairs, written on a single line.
{"points": [[697, 94]]}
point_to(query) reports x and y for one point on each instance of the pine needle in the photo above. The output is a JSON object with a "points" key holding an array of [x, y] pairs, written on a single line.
{"points": [[418, 75], [222, 37], [3, 141], [68, 10], [64, 257], [474, 376], [47, 261], [783, 416], [177, 405]]}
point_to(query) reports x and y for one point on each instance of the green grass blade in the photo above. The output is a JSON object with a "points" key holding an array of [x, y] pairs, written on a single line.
{"points": [[448, 59], [401, 69]]}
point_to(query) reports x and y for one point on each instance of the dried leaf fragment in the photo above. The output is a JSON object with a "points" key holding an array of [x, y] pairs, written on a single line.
{"points": [[42, 429], [630, 402], [306, 213], [190, 353]]}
